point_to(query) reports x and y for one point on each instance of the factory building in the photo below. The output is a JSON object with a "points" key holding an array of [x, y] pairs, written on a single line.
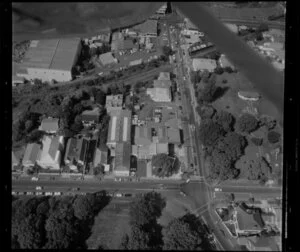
{"points": [[51, 59]]}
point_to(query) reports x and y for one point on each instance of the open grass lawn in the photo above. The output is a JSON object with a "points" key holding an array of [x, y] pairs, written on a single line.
{"points": [[177, 206], [110, 225], [232, 103]]}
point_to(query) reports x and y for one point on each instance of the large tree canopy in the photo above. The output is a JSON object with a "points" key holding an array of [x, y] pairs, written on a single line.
{"points": [[164, 165], [210, 132], [224, 119], [247, 123]]}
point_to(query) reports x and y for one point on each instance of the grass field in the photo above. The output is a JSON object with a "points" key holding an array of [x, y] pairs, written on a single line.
{"points": [[110, 225]]}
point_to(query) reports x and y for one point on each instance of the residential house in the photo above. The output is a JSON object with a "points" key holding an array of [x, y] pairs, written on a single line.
{"points": [[164, 76], [114, 102], [90, 117], [123, 45], [204, 64], [50, 157], [107, 59], [122, 159], [49, 125], [119, 129], [248, 220], [159, 94], [31, 154], [76, 152], [162, 10]]}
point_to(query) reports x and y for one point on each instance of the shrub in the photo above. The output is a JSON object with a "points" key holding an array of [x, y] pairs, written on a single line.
{"points": [[257, 141], [273, 137], [247, 123]]}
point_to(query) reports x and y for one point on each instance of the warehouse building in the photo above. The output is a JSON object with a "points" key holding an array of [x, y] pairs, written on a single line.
{"points": [[51, 59], [119, 130]]}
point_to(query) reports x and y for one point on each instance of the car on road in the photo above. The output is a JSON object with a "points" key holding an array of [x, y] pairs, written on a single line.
{"points": [[34, 179], [57, 193], [29, 193], [218, 189], [75, 189], [82, 193], [118, 195], [38, 193], [188, 180], [39, 188], [118, 179], [127, 195], [48, 193]]}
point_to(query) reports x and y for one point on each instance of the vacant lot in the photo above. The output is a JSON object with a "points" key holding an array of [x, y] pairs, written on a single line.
{"points": [[110, 225], [177, 206]]}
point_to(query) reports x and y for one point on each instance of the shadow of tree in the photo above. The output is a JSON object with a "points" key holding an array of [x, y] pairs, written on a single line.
{"points": [[220, 91]]}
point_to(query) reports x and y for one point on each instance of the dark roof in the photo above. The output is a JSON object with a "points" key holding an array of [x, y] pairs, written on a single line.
{"points": [[83, 150], [122, 159], [141, 168], [90, 118], [249, 221], [76, 149]]}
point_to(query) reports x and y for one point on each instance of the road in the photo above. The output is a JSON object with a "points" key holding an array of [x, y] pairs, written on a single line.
{"points": [[199, 192]]}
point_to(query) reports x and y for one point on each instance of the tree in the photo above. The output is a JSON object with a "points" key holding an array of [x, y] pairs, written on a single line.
{"points": [[35, 136], [228, 69], [257, 169], [219, 70], [179, 236], [28, 125], [224, 119], [208, 92], [247, 123], [78, 108], [195, 77], [137, 240], [210, 132], [146, 208], [164, 166], [268, 121], [273, 137], [167, 51], [100, 97]]}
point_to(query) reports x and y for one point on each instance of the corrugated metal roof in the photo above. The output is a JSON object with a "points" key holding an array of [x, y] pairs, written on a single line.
{"points": [[122, 159], [58, 54], [31, 153]]}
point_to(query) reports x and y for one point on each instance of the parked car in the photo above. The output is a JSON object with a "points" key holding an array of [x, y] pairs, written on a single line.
{"points": [[218, 190], [188, 180], [39, 188], [182, 193], [127, 195], [29, 193], [118, 195], [48, 193], [20, 193], [34, 179], [14, 193], [75, 189], [57, 193], [38, 193]]}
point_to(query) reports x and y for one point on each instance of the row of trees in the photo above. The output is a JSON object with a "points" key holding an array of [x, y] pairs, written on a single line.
{"points": [[183, 233], [54, 223]]}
